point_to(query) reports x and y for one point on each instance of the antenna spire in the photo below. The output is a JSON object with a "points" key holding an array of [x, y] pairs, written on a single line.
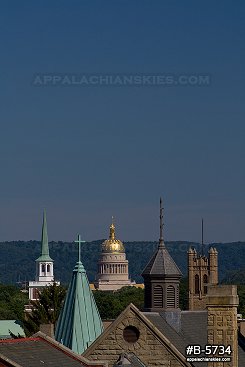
{"points": [[202, 240], [161, 242]]}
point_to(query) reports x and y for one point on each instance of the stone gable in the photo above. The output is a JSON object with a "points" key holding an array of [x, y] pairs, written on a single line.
{"points": [[151, 347]]}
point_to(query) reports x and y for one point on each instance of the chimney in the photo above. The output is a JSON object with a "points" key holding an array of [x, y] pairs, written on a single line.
{"points": [[222, 302], [47, 329]]}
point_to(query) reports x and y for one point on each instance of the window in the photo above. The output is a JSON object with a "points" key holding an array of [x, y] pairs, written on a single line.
{"points": [[205, 282], [158, 296], [131, 334], [43, 268], [170, 297], [48, 268], [35, 294], [196, 284]]}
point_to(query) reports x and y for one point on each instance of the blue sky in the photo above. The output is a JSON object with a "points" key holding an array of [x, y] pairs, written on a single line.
{"points": [[86, 153]]}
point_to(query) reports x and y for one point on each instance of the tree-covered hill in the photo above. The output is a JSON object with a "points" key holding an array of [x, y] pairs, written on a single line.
{"points": [[17, 258]]}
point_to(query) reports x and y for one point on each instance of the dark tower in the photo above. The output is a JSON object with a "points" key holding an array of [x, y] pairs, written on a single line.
{"points": [[161, 277]]}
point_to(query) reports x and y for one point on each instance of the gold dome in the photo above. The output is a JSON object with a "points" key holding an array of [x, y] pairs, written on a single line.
{"points": [[112, 244]]}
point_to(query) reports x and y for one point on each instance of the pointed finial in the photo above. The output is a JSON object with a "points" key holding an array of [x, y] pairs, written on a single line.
{"points": [[161, 242], [112, 230], [79, 241], [45, 248]]}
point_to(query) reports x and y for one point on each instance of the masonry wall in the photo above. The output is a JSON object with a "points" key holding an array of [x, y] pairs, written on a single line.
{"points": [[148, 347], [222, 321]]}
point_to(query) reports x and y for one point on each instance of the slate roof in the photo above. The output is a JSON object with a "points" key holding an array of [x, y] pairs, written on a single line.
{"points": [[129, 360], [40, 350], [193, 331], [161, 263]]}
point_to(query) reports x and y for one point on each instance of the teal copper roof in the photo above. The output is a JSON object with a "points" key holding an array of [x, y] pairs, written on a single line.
{"points": [[45, 248], [79, 322], [11, 326]]}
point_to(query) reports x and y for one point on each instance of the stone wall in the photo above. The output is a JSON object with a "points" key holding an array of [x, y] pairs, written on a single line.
{"points": [[148, 348], [222, 321]]}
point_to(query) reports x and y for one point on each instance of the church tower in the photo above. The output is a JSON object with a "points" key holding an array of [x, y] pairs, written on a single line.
{"points": [[112, 271], [202, 271], [161, 277], [44, 263], [44, 266], [79, 323]]}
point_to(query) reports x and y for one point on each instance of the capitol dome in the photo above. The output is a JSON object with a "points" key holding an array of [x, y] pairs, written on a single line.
{"points": [[112, 245]]}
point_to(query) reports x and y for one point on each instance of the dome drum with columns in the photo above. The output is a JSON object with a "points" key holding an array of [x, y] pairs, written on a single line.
{"points": [[113, 266]]}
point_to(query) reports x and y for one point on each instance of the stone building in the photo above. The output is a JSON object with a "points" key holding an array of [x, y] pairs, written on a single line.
{"points": [[112, 271], [222, 302], [146, 339], [159, 335], [202, 271]]}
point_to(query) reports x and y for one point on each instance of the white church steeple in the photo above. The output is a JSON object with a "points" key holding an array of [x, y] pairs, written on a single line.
{"points": [[44, 264]]}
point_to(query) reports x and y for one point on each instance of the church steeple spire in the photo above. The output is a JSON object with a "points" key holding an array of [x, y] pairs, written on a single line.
{"points": [[79, 322], [44, 243], [45, 266]]}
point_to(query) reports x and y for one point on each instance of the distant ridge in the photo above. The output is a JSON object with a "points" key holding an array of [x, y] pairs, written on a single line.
{"points": [[17, 258]]}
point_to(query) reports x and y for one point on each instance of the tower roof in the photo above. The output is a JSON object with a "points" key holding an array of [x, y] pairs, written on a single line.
{"points": [[79, 323], [44, 247], [161, 262]]}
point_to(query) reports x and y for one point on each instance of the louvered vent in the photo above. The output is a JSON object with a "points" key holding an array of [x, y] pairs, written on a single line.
{"points": [[158, 296], [177, 297], [170, 297]]}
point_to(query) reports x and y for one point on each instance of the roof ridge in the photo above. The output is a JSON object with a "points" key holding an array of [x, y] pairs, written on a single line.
{"points": [[67, 350], [17, 340]]}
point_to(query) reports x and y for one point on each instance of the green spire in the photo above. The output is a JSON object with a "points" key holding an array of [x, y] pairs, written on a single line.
{"points": [[79, 322], [45, 248]]}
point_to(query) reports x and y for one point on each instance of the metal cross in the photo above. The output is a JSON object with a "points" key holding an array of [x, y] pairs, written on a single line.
{"points": [[79, 241]]}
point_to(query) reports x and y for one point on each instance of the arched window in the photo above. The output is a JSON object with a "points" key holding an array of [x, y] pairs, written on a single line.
{"points": [[48, 268], [43, 268], [196, 284], [158, 296], [205, 282], [170, 297]]}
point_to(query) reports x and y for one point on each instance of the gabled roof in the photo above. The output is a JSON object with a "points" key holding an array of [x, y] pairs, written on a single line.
{"points": [[128, 313], [79, 323], [129, 360], [40, 350], [44, 246], [161, 264]]}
